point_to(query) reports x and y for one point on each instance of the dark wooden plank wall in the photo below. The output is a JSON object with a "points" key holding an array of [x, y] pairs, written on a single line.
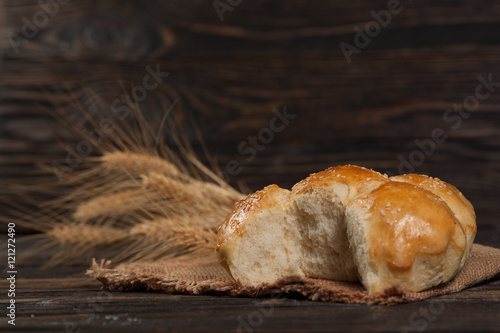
{"points": [[51, 308], [229, 75]]}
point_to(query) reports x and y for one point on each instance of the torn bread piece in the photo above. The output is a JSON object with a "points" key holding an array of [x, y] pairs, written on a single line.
{"points": [[349, 223]]}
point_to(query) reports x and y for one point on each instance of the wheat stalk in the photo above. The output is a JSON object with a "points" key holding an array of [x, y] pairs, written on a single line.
{"points": [[86, 235], [114, 204], [194, 192], [195, 237], [76, 242], [157, 229], [138, 200], [140, 163]]}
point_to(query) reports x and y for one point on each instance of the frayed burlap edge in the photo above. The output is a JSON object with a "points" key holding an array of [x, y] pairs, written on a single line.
{"points": [[204, 276]]}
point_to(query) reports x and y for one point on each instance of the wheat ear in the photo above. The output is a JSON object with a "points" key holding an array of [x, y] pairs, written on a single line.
{"points": [[137, 201]]}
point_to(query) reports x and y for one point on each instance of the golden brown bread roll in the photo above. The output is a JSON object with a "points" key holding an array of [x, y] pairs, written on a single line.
{"points": [[350, 223]]}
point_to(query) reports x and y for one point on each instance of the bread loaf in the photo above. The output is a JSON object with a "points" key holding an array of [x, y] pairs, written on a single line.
{"points": [[350, 223]]}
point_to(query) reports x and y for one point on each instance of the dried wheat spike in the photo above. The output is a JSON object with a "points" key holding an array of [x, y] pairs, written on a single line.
{"points": [[162, 228], [139, 200], [194, 192], [195, 237], [140, 163], [86, 235], [77, 241], [114, 204]]}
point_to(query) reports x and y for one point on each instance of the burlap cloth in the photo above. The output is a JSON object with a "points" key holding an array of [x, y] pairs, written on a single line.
{"points": [[204, 276]]}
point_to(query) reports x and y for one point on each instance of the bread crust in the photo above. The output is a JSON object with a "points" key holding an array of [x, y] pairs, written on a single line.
{"points": [[410, 231], [357, 179], [456, 201], [241, 215]]}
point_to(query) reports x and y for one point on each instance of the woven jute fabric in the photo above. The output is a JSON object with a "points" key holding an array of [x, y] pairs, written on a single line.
{"points": [[205, 276]]}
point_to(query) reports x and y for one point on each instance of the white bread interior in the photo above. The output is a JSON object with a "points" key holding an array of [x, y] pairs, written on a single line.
{"points": [[350, 224]]}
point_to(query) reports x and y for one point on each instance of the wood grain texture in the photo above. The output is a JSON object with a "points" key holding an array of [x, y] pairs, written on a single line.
{"points": [[229, 76], [70, 302]]}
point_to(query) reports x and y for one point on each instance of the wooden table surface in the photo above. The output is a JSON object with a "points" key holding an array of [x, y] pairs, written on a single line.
{"points": [[228, 75], [64, 300]]}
